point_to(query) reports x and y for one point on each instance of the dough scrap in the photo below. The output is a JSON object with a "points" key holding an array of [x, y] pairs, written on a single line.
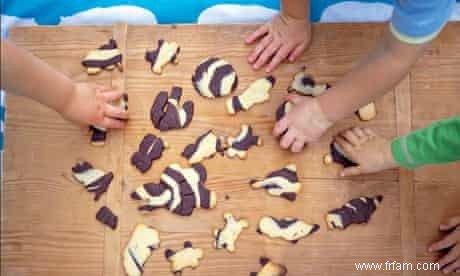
{"points": [[150, 149], [367, 112], [186, 257], [270, 268], [283, 183], [107, 217], [256, 93], [239, 146], [227, 236], [107, 57], [206, 146], [289, 229], [167, 114], [355, 211], [214, 78], [94, 180], [304, 84], [166, 52], [181, 190], [338, 156], [144, 240]]}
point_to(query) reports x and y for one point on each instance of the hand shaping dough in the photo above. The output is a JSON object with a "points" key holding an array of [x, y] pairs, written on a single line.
{"points": [[151, 148], [107, 217], [355, 211], [186, 257], [227, 236], [239, 146], [305, 85], [289, 229], [180, 190], [99, 134], [167, 114], [143, 241], [106, 57], [94, 180], [283, 109], [257, 92], [206, 146], [336, 155], [367, 112], [214, 78], [165, 53], [283, 183], [269, 268]]}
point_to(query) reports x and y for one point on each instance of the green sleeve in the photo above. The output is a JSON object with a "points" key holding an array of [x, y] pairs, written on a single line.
{"points": [[435, 144]]}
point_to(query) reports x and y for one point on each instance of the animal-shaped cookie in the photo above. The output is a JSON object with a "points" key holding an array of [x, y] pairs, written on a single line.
{"points": [[239, 146], [150, 149], [107, 217], [166, 52], [181, 190], [94, 180], [214, 78], [144, 240], [107, 57], [283, 183], [304, 84], [206, 146], [289, 229], [257, 92], [355, 211], [166, 112], [337, 155], [186, 257], [227, 236], [270, 268], [367, 112]]}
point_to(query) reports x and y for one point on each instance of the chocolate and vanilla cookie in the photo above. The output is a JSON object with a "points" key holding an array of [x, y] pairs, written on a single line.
{"points": [[257, 92], [166, 52], [150, 149], [214, 78], [184, 258], [227, 236], [107, 57], [283, 183], [270, 268], [206, 146], [240, 145], [337, 155], [94, 180], [144, 240], [107, 217], [304, 84], [289, 229]]}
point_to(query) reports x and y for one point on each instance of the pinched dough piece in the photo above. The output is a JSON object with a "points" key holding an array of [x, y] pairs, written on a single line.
{"points": [[150, 149], [338, 156], [227, 236], [355, 211], [165, 53], [143, 241], [181, 190], [107, 57], [239, 146], [94, 180], [186, 257], [257, 92], [206, 146], [304, 84], [289, 229], [367, 112], [283, 183], [166, 112], [270, 268], [107, 217], [214, 78]]}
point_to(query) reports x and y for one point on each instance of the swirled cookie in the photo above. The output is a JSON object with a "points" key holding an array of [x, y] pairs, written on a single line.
{"points": [[214, 78]]}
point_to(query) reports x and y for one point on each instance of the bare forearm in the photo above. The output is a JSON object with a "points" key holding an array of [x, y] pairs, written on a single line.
{"points": [[377, 74], [297, 9], [26, 75]]}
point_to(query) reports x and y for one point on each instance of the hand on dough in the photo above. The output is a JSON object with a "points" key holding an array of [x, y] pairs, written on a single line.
{"points": [[450, 262]]}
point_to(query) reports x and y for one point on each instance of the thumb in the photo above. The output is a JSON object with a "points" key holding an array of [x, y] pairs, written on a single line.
{"points": [[293, 98], [351, 171]]}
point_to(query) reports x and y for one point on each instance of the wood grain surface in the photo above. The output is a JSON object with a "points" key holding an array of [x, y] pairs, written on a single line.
{"points": [[48, 221]]}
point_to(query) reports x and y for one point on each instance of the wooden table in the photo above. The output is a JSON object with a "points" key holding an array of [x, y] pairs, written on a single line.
{"points": [[48, 221]]}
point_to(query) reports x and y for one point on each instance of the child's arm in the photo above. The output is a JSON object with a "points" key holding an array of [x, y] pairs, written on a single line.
{"points": [[24, 74]]}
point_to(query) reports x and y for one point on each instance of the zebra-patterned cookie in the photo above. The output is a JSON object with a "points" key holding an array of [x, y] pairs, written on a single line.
{"points": [[95, 181], [270, 268], [166, 52], [214, 78], [289, 229], [283, 183], [107, 57], [167, 113], [184, 258], [206, 146], [144, 240], [257, 92], [227, 236], [240, 145], [150, 149]]}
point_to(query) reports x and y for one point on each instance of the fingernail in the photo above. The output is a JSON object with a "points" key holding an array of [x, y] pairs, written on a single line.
{"points": [[342, 174]]}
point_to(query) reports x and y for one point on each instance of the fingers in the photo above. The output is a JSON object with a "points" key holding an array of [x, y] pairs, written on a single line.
{"points": [[279, 57], [287, 139], [298, 145], [360, 133], [344, 144], [260, 48], [112, 95], [448, 241], [453, 267], [351, 171], [281, 127], [293, 98], [267, 54], [257, 33], [112, 123], [351, 137], [369, 132], [297, 51], [115, 112], [451, 223], [450, 257]]}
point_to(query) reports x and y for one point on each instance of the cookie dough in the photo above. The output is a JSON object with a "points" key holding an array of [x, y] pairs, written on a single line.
{"points": [[257, 92], [239, 146], [143, 241], [150, 149], [289, 229], [355, 211], [107, 57], [94, 180], [367, 112], [206, 146], [227, 236], [214, 78], [304, 84], [186, 257], [166, 112], [336, 155], [270, 268], [166, 52], [107, 217], [283, 183], [181, 190]]}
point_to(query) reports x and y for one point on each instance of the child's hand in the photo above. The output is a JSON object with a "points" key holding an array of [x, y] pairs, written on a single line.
{"points": [[450, 262], [90, 105], [305, 123], [282, 37]]}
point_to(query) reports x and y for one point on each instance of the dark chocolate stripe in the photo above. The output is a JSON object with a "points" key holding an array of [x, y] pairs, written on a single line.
{"points": [[169, 253], [176, 93], [151, 56], [284, 223], [248, 141], [339, 158], [139, 266], [271, 79], [101, 185], [98, 135], [109, 46], [201, 170], [81, 167], [289, 196], [237, 107], [157, 110], [102, 63], [215, 86], [189, 109], [286, 173], [281, 111], [192, 148], [203, 67], [308, 81]]}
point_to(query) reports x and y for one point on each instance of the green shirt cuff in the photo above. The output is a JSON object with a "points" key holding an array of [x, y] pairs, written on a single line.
{"points": [[401, 153]]}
